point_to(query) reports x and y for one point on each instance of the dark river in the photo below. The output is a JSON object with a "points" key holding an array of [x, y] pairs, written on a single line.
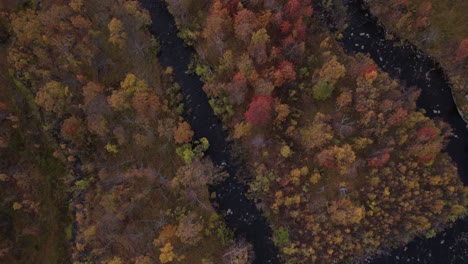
{"points": [[363, 35]]}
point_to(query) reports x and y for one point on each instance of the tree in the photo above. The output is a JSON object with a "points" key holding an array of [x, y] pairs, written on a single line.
{"points": [[186, 153], [76, 5], [421, 23], [167, 253], [193, 175], [242, 129], [337, 156], [362, 142], [239, 253], [345, 156], [91, 90], [344, 212], [166, 235], [245, 23], [295, 176], [315, 177], [282, 111], [71, 128], [401, 3], [263, 87], [427, 145], [457, 211], [397, 117], [111, 148], [322, 90], [120, 134], [326, 158], [286, 151], [227, 63], [258, 46], [139, 18], [245, 65], [299, 31], [136, 92], [285, 72], [53, 97], [425, 9], [292, 8], [260, 110], [318, 133], [428, 133], [217, 27], [132, 84], [379, 160], [233, 6], [143, 260], [142, 140], [281, 237], [98, 124], [237, 89], [181, 10], [183, 133], [369, 69], [189, 230], [119, 100], [462, 51], [146, 104], [285, 27], [332, 70], [27, 27], [80, 23], [115, 260], [117, 34], [308, 11], [343, 100]]}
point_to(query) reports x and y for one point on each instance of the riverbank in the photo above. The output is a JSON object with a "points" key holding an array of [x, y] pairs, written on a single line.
{"points": [[438, 28]]}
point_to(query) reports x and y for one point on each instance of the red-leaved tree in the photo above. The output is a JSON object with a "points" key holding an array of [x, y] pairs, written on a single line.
{"points": [[370, 68], [260, 110], [70, 127], [379, 160], [428, 133], [397, 117], [285, 27], [292, 8], [462, 51]]}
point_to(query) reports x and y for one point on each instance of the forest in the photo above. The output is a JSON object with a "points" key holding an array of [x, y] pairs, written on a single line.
{"points": [[100, 162]]}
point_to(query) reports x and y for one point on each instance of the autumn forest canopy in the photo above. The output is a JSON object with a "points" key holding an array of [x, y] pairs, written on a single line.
{"points": [[101, 161]]}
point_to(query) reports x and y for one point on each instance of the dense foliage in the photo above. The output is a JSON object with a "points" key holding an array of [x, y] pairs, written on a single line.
{"points": [[137, 180], [343, 162], [97, 164]]}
